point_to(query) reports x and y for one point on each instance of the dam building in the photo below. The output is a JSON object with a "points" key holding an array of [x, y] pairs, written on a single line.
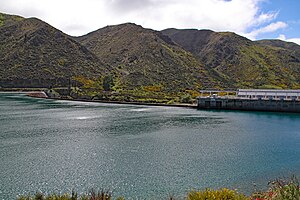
{"points": [[252, 100], [269, 94]]}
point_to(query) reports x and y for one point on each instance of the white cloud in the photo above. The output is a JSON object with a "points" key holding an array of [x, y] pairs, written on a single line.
{"points": [[295, 40], [266, 29], [283, 37], [77, 17], [265, 17]]}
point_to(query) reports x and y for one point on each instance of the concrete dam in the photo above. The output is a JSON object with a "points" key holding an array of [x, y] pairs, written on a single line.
{"points": [[252, 100]]}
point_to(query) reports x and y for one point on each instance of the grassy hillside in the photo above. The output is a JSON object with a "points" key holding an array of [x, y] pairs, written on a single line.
{"points": [[129, 60], [9, 19], [34, 54], [146, 58], [280, 44], [247, 64]]}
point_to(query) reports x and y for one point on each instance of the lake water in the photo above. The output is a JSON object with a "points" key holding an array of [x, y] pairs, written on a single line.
{"points": [[140, 151]]}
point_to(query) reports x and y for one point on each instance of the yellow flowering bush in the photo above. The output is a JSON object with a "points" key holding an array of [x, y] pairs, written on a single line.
{"points": [[222, 194]]}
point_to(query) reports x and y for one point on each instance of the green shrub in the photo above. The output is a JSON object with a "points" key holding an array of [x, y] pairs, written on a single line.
{"points": [[280, 189], [186, 98], [222, 194], [108, 82]]}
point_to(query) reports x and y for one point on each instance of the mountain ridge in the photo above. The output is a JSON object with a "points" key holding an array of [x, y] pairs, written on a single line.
{"points": [[246, 63], [35, 54], [135, 51]]}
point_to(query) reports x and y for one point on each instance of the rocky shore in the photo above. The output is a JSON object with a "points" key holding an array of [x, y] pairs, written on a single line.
{"points": [[41, 94]]}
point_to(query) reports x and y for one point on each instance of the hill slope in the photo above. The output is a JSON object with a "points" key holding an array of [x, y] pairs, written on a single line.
{"points": [[241, 61], [34, 54], [280, 44], [143, 57]]}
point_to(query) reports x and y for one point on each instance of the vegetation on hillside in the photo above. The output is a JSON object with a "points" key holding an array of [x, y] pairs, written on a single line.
{"points": [[34, 54], [244, 63], [146, 58], [130, 63], [9, 19]]}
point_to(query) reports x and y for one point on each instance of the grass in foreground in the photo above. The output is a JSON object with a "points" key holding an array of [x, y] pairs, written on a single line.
{"points": [[74, 196], [279, 190]]}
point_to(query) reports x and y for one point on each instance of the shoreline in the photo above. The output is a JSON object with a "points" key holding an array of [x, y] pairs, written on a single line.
{"points": [[42, 95]]}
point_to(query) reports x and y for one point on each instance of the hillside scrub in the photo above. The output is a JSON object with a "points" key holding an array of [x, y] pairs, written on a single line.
{"points": [[279, 189]]}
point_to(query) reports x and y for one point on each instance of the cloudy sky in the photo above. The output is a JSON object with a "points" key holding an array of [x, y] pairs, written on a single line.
{"points": [[255, 19]]}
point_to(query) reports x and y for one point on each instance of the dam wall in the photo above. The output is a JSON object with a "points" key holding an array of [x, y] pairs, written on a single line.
{"points": [[236, 103]]}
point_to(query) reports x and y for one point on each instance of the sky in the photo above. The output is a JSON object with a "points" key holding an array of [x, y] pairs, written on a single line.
{"points": [[254, 19]]}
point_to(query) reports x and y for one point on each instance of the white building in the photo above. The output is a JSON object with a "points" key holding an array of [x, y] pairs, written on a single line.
{"points": [[269, 94]]}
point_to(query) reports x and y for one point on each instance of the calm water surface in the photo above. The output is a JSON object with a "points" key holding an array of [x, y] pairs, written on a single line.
{"points": [[139, 151]]}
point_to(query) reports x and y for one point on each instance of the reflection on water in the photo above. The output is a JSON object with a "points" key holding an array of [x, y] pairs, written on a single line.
{"points": [[139, 151]]}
